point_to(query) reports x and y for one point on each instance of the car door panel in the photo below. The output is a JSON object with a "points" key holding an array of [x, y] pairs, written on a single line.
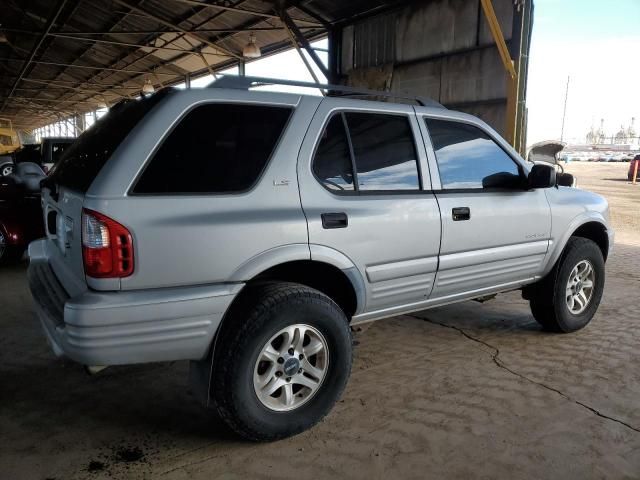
{"points": [[502, 240], [392, 238]]}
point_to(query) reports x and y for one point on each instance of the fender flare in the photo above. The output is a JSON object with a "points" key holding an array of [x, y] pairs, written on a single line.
{"points": [[558, 247], [302, 251], [324, 254]]}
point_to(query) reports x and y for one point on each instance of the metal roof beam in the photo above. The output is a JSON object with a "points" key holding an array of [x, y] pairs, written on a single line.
{"points": [[34, 50], [169, 24], [126, 44], [245, 11], [302, 40]]}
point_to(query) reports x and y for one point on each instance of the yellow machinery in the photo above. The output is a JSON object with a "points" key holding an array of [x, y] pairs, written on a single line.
{"points": [[9, 140]]}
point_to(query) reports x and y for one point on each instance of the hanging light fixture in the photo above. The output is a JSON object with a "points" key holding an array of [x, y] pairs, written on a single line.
{"points": [[251, 50], [147, 88]]}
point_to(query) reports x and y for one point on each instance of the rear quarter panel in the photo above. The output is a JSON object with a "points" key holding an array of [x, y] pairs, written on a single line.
{"points": [[202, 239]]}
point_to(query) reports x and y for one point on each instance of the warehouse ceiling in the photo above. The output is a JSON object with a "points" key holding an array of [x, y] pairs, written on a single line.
{"points": [[63, 57]]}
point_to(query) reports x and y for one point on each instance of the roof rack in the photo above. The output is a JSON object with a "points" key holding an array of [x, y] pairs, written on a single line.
{"points": [[245, 83]]}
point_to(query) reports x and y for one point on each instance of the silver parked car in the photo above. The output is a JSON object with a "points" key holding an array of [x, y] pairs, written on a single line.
{"points": [[247, 231]]}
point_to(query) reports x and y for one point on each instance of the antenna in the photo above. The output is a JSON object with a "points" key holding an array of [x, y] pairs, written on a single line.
{"points": [[564, 114]]}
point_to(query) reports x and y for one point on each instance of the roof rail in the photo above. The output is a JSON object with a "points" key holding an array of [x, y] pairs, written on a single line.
{"points": [[241, 82]]}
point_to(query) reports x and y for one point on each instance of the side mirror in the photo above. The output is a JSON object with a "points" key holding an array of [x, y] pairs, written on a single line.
{"points": [[566, 180], [542, 176], [505, 180]]}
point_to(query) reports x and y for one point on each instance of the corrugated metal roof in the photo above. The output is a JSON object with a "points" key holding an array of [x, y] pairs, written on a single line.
{"points": [[104, 51]]}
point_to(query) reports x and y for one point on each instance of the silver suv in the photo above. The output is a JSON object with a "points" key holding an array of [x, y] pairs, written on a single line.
{"points": [[246, 231]]}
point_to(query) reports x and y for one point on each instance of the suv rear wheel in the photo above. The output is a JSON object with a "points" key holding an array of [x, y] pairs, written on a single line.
{"points": [[567, 298], [281, 362]]}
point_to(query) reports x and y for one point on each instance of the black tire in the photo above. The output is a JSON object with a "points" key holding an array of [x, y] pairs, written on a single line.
{"points": [[548, 297], [261, 312], [6, 169]]}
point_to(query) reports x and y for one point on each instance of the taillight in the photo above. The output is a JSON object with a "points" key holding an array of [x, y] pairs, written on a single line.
{"points": [[107, 247]]}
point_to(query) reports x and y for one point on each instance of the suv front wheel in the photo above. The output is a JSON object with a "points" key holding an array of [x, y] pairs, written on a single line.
{"points": [[282, 361], [567, 298]]}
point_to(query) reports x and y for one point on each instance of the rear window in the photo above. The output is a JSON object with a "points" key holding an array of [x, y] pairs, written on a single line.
{"points": [[216, 148], [81, 162]]}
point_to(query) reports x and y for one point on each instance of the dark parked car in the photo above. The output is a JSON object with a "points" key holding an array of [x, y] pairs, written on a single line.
{"points": [[632, 168], [20, 210], [28, 153], [51, 149]]}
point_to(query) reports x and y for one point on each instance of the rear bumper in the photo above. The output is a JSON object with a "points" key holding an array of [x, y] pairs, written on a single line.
{"points": [[125, 327]]}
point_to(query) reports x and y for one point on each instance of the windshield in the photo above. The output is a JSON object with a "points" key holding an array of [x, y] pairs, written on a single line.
{"points": [[81, 161]]}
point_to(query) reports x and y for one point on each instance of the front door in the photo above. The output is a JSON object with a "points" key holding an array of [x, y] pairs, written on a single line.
{"points": [[493, 236], [365, 191]]}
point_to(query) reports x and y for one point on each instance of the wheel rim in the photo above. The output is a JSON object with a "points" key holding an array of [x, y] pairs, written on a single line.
{"points": [[291, 367], [580, 287], [3, 245], [6, 170]]}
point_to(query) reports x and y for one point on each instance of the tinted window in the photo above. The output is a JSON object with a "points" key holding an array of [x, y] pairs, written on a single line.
{"points": [[467, 157], [84, 158], [332, 162], [216, 148], [384, 151]]}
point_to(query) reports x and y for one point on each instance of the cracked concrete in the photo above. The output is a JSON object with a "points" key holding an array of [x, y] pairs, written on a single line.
{"points": [[423, 400], [496, 359]]}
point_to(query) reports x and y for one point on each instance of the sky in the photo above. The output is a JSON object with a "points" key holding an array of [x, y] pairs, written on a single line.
{"points": [[597, 44]]}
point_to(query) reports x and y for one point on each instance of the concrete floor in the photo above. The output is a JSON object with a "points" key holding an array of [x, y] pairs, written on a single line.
{"points": [[464, 391]]}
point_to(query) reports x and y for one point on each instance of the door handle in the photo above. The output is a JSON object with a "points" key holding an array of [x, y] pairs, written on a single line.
{"points": [[334, 220], [460, 213]]}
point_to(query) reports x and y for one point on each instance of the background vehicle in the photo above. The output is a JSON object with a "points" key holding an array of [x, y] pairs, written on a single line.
{"points": [[20, 210], [632, 166], [6, 165], [9, 140], [246, 231], [51, 149], [547, 152], [28, 153]]}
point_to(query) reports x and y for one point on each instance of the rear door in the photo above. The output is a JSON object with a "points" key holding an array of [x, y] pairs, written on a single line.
{"points": [[491, 237], [365, 190]]}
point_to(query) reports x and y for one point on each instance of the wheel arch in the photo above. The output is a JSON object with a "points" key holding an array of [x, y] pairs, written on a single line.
{"points": [[597, 232], [315, 266], [330, 272], [590, 227]]}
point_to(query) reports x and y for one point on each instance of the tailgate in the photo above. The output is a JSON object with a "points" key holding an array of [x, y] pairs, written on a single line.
{"points": [[62, 217]]}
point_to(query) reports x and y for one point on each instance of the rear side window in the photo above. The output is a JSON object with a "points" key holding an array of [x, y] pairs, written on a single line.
{"points": [[385, 154], [216, 148], [332, 163], [380, 146], [81, 162], [466, 156]]}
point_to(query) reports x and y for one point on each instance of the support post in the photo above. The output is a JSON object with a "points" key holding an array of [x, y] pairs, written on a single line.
{"points": [[512, 76], [302, 40]]}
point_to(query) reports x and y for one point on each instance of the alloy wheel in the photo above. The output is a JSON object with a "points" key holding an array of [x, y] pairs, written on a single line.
{"points": [[291, 367], [580, 287]]}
